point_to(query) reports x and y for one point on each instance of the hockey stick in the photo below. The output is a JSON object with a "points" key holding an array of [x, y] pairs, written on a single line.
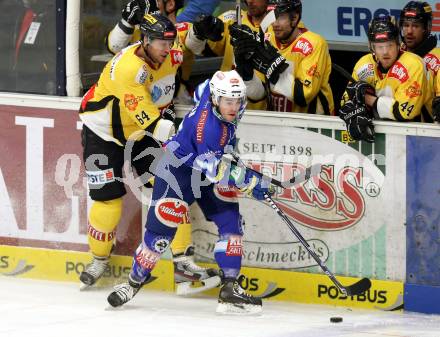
{"points": [[309, 172], [343, 72], [238, 11], [355, 289]]}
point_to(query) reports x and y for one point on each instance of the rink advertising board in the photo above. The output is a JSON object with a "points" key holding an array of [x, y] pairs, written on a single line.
{"points": [[43, 188], [346, 21], [340, 212], [66, 265]]}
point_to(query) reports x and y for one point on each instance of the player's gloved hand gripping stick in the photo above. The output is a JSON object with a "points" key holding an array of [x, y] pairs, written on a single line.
{"points": [[355, 289]]}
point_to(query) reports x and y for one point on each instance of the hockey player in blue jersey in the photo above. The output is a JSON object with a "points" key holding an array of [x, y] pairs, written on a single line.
{"points": [[191, 165]]}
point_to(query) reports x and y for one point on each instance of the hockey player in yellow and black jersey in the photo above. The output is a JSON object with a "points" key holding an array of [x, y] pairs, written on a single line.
{"points": [[389, 83], [212, 34], [126, 32], [296, 63], [142, 87], [415, 26], [134, 93]]}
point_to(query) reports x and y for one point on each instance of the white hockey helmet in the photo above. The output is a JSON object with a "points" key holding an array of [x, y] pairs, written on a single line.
{"points": [[227, 84]]}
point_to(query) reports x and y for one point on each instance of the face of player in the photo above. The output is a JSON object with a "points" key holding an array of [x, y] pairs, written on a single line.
{"points": [[158, 50], [229, 108], [166, 6], [413, 33], [282, 26], [386, 52], [256, 8]]}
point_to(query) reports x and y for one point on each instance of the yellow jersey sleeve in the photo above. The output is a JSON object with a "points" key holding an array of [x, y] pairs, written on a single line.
{"points": [[314, 65]]}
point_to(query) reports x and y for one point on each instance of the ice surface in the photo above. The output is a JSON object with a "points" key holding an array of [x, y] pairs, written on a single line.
{"points": [[41, 308]]}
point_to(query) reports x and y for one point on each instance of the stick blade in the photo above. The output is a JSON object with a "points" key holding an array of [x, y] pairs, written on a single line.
{"points": [[359, 287]]}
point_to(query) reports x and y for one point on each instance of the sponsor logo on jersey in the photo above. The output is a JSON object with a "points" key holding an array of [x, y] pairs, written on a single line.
{"points": [[303, 46], [230, 15], [313, 71], [201, 125], [156, 93], [182, 26], [399, 72], [432, 62], [100, 177], [142, 75], [147, 259], [176, 57], [131, 101], [414, 90], [366, 71], [226, 193], [100, 236], [224, 135], [235, 246], [172, 212]]}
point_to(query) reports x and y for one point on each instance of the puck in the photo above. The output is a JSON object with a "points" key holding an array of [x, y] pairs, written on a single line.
{"points": [[335, 319]]}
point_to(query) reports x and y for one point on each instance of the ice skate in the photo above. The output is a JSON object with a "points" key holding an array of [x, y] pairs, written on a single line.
{"points": [[187, 274], [124, 292], [93, 272], [233, 299]]}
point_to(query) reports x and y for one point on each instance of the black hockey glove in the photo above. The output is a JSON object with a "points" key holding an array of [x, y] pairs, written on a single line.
{"points": [[356, 91], [436, 109], [208, 27], [359, 125], [243, 66], [242, 33], [268, 61], [168, 113], [134, 11]]}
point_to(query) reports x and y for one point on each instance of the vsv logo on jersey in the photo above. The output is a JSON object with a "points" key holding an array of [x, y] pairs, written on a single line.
{"points": [[176, 57], [399, 72], [303, 46], [100, 177]]}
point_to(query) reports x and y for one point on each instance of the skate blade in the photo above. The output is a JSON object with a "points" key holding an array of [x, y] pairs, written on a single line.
{"points": [[83, 286], [243, 309], [187, 288]]}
